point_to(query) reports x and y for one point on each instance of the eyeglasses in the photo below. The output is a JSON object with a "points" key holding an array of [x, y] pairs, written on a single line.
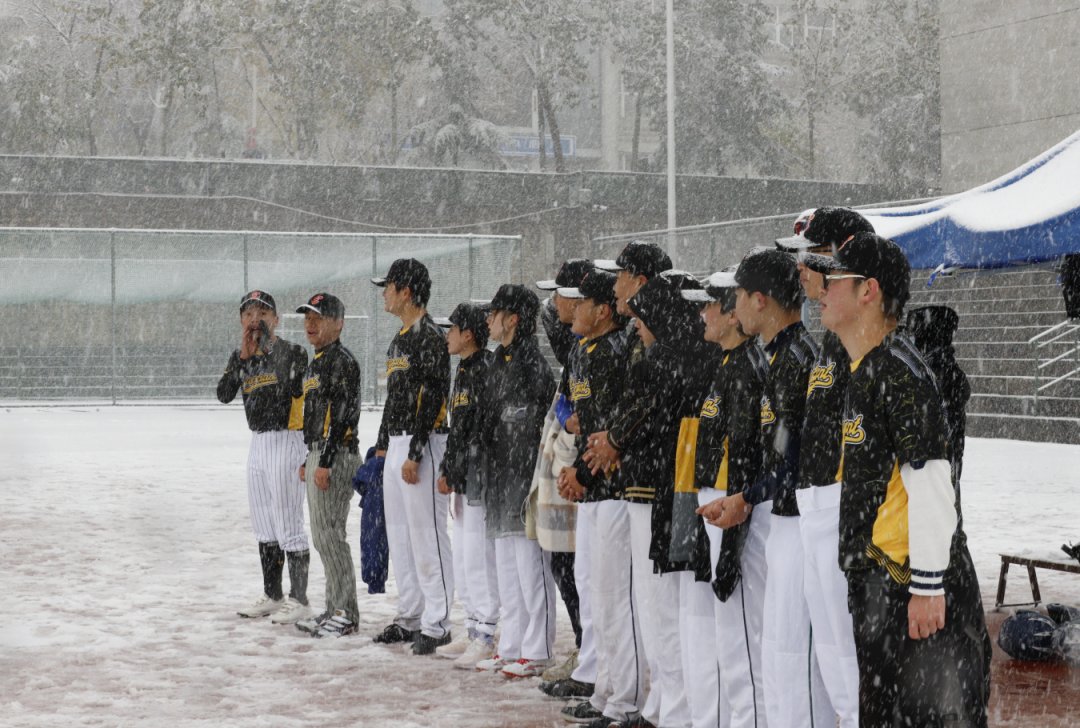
{"points": [[839, 277]]}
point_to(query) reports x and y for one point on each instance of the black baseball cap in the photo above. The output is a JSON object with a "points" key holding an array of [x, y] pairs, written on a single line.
{"points": [[598, 285], [468, 317], [713, 288], [569, 276], [324, 304], [516, 299], [772, 272], [682, 280], [641, 258], [823, 229], [408, 273], [260, 297], [879, 258]]}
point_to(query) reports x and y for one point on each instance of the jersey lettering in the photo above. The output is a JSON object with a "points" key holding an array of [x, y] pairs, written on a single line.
{"points": [[854, 434], [821, 377], [579, 389], [711, 408], [259, 381], [397, 364], [461, 399], [311, 383], [768, 417]]}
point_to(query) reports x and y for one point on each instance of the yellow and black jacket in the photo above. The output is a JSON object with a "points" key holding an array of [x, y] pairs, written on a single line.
{"points": [[331, 402], [272, 382], [417, 384], [791, 356], [818, 463], [898, 505], [595, 383], [464, 418], [631, 415]]}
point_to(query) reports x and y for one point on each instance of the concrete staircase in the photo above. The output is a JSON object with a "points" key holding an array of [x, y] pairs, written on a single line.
{"points": [[1000, 311]]}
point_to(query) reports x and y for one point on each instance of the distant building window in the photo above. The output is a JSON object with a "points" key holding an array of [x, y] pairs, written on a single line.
{"points": [[789, 25]]}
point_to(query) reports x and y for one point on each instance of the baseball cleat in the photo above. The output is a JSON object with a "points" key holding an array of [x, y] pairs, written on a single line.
{"points": [[491, 664], [479, 649], [525, 668], [568, 688], [581, 713], [425, 645], [312, 624], [338, 625], [291, 612], [262, 607], [563, 671], [394, 633], [455, 649]]}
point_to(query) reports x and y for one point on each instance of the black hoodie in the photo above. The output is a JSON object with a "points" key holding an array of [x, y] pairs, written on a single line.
{"points": [[680, 361]]}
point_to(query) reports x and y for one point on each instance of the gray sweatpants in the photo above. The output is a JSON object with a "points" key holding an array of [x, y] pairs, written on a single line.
{"points": [[329, 511]]}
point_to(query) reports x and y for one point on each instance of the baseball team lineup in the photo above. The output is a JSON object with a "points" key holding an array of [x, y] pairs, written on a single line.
{"points": [[749, 525]]}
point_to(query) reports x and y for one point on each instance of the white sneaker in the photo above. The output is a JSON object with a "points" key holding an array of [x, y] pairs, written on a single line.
{"points": [[264, 606], [525, 668], [479, 649], [491, 664], [455, 649], [291, 612]]}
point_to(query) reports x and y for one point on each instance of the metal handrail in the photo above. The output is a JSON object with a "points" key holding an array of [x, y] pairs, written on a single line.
{"points": [[1067, 327]]}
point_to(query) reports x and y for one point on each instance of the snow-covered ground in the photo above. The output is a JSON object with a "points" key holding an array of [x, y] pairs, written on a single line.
{"points": [[128, 550]]}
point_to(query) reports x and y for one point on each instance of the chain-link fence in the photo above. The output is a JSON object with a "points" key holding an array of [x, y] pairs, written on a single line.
{"points": [[152, 315]]}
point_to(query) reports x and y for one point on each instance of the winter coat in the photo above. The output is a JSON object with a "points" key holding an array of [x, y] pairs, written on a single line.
{"points": [[551, 519], [374, 547], [515, 402], [596, 382]]}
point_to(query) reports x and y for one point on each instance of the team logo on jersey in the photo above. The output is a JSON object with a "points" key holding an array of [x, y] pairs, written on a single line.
{"points": [[821, 377], [767, 415], [711, 408], [397, 364], [579, 389], [259, 381], [461, 399], [311, 383], [854, 434]]}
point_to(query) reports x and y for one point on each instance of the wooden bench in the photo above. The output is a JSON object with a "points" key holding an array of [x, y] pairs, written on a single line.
{"points": [[1032, 563]]}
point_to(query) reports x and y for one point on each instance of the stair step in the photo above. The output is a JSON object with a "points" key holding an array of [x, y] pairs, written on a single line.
{"points": [[993, 404], [1021, 385], [1020, 427], [1022, 366]]}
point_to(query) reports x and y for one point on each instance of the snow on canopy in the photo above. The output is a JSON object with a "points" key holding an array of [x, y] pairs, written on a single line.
{"points": [[1028, 216]]}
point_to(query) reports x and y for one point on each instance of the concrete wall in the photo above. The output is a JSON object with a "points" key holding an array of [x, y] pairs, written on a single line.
{"points": [[1009, 84]]}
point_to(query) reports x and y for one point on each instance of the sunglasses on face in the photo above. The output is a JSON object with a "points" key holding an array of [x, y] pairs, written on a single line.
{"points": [[839, 277]]}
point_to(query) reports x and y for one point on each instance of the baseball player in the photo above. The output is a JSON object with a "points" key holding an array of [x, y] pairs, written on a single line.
{"points": [[920, 634], [519, 390], [597, 372], [665, 702], [474, 553], [816, 235], [270, 371], [768, 304], [331, 413], [728, 458], [413, 437]]}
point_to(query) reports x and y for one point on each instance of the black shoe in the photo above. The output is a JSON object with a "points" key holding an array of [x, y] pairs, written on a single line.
{"points": [[582, 713], [568, 688], [424, 645], [1072, 550], [393, 634]]}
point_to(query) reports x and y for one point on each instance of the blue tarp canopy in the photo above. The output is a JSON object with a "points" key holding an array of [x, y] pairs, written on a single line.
{"points": [[1028, 216]]}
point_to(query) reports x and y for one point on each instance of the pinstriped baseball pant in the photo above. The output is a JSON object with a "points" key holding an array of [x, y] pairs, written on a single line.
{"points": [[275, 495], [329, 511]]}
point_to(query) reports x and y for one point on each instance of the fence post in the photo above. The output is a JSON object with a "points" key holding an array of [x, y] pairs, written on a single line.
{"points": [[245, 239], [472, 264], [112, 297], [372, 321]]}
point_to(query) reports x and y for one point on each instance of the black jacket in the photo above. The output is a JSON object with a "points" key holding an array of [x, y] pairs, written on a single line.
{"points": [[515, 402], [820, 460], [331, 402], [273, 386], [417, 384], [465, 398], [739, 402], [630, 421], [791, 356], [680, 361], [597, 371]]}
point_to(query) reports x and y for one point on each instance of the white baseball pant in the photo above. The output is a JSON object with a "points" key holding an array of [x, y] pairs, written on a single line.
{"points": [[826, 589], [793, 684], [275, 493], [527, 596], [587, 664], [738, 625], [416, 531], [620, 654], [656, 602]]}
